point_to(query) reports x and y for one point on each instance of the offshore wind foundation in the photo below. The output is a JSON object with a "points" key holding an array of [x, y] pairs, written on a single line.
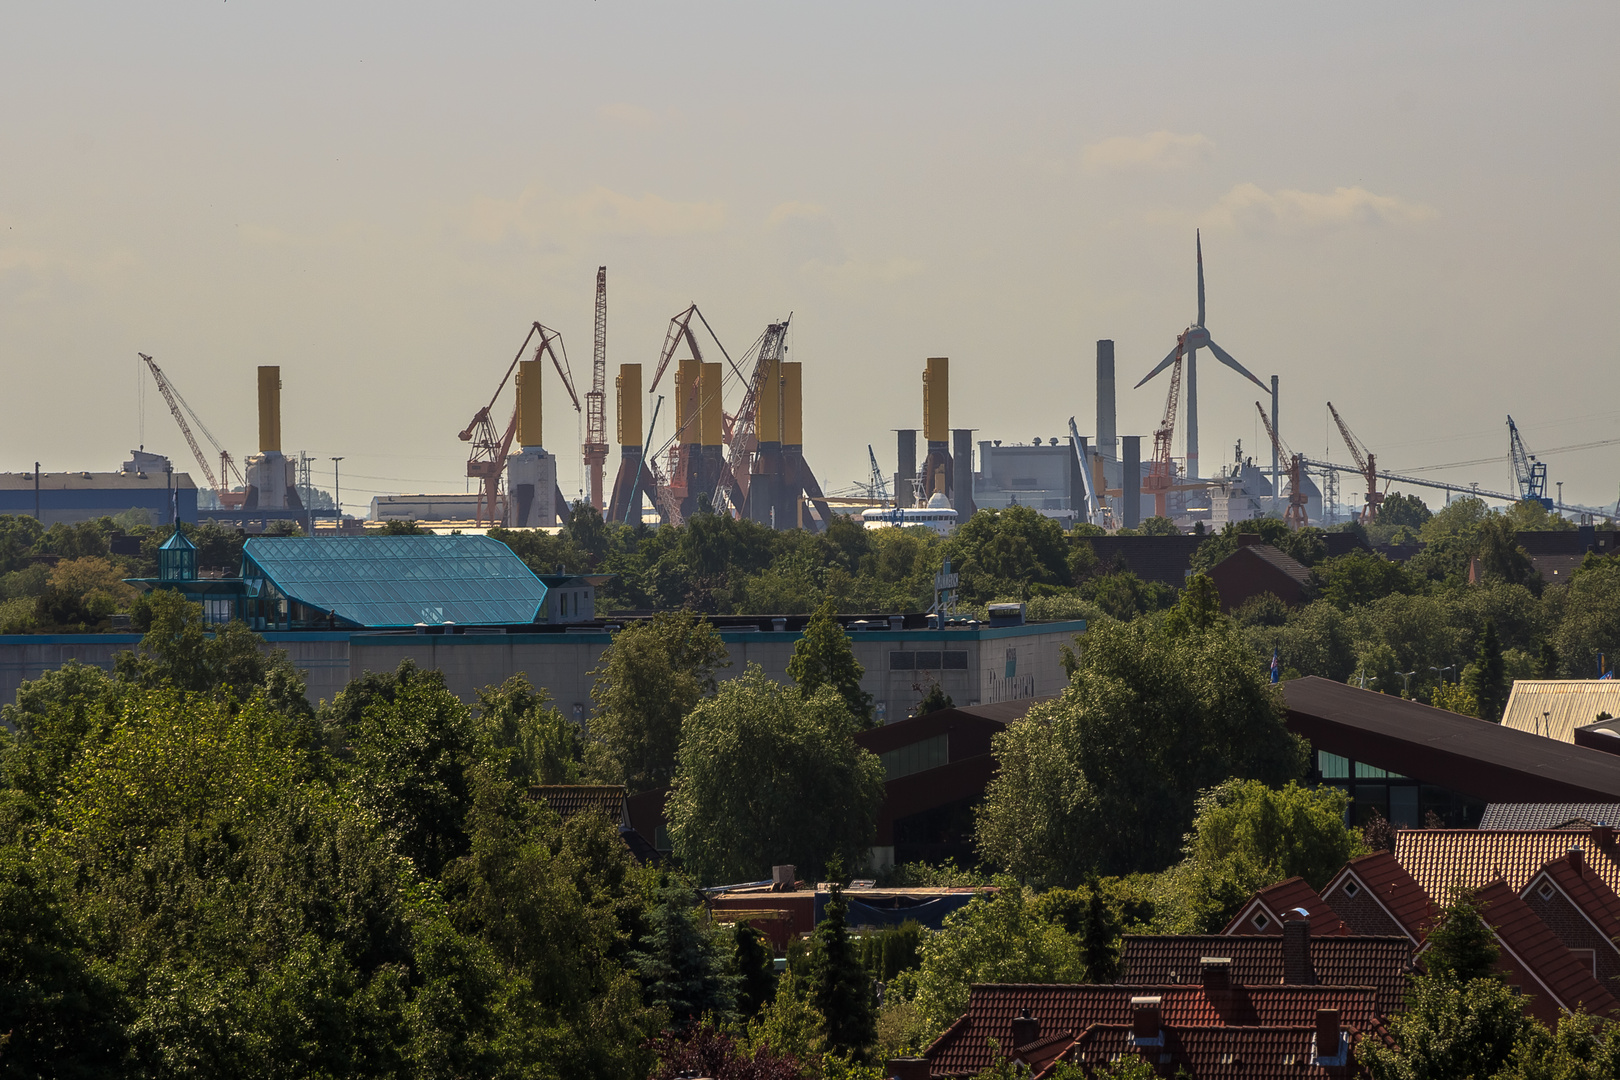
{"points": [[735, 443]]}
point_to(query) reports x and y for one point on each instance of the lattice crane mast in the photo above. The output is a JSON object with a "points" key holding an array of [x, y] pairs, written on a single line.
{"points": [[1162, 470], [1295, 516], [490, 447], [180, 410], [1366, 462], [1528, 473], [878, 488], [595, 450]]}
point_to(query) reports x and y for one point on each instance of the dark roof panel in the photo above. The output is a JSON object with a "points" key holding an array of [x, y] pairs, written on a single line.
{"points": [[1549, 815]]}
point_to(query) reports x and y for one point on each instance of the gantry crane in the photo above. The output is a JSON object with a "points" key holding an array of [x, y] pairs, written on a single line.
{"points": [[1295, 516], [490, 449], [1366, 463], [180, 410], [1528, 473], [595, 450]]}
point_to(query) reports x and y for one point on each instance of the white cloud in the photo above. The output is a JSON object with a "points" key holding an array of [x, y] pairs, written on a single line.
{"points": [[1250, 207], [539, 215], [1159, 151], [795, 211]]}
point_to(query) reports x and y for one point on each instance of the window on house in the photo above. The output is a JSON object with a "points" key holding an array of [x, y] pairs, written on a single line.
{"points": [[928, 661], [902, 661], [218, 609], [953, 661], [917, 757]]}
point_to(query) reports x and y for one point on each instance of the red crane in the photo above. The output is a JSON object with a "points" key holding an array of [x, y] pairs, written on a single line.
{"points": [[595, 449], [1366, 462], [490, 449], [1295, 516], [1161, 470]]}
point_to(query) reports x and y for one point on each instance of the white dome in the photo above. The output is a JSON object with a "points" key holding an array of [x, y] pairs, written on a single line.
{"points": [[938, 501]]}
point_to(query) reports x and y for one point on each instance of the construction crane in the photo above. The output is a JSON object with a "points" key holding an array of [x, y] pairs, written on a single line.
{"points": [[1162, 470], [1528, 473], [595, 450], [878, 488], [491, 448], [1295, 516], [1366, 463], [1098, 510], [180, 410]]}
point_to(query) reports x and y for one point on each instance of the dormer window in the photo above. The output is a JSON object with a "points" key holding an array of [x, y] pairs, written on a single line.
{"points": [[1261, 920]]}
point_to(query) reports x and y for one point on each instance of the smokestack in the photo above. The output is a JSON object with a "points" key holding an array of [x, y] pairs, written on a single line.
{"points": [[528, 403], [937, 400], [1131, 475], [1107, 442], [269, 410], [905, 465], [962, 451]]}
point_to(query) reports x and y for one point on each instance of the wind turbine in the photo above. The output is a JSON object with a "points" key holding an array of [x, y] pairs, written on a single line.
{"points": [[1194, 338]]}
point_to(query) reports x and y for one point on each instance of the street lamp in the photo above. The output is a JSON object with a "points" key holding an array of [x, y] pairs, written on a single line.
{"points": [[1443, 670], [1406, 682], [337, 493]]}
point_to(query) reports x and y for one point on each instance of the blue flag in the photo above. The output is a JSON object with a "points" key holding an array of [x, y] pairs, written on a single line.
{"points": [[1276, 668]]}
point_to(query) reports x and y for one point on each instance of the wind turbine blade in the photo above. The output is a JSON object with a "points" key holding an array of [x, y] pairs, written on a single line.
{"points": [[1224, 357], [1166, 362], [1199, 239]]}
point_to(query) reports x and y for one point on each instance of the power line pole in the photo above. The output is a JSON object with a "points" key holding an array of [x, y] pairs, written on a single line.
{"points": [[337, 493]]}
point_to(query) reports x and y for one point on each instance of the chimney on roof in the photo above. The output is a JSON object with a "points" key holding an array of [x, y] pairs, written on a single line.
{"points": [[1145, 1017], [1327, 1033], [1296, 947], [1025, 1029], [1250, 540], [1603, 835], [1217, 973], [784, 877], [908, 1068], [1577, 859]]}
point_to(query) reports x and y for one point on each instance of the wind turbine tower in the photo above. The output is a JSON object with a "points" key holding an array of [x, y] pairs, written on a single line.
{"points": [[1196, 337]]}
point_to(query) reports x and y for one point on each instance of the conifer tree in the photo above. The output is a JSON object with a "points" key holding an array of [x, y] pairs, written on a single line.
{"points": [[1461, 947], [681, 970], [840, 986], [756, 972], [824, 657], [1486, 677]]}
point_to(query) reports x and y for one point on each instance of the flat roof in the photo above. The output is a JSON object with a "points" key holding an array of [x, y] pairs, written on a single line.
{"points": [[1474, 757]]}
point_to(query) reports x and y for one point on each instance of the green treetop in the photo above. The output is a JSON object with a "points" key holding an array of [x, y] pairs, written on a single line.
{"points": [[824, 657]]}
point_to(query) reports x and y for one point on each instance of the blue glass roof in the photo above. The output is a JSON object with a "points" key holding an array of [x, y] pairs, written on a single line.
{"points": [[394, 581], [177, 542]]}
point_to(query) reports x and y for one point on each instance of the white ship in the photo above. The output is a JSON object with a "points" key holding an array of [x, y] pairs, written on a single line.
{"points": [[937, 515]]}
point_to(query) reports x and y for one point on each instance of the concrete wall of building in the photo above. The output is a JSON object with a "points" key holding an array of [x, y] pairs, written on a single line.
{"points": [[1002, 664]]}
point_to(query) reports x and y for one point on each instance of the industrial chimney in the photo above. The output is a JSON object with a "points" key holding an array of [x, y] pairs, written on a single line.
{"points": [[1107, 436], [531, 474], [937, 471], [271, 481]]}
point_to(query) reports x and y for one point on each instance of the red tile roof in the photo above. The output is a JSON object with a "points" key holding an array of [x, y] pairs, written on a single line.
{"points": [[1395, 891], [1440, 859], [1537, 962], [1215, 1053], [964, 1048], [571, 799], [1585, 890], [1257, 960], [1276, 901]]}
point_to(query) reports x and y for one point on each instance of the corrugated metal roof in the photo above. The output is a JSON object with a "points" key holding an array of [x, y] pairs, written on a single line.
{"points": [[1556, 707], [400, 581]]}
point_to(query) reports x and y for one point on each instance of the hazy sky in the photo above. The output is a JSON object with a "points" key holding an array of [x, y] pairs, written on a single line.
{"points": [[1410, 210]]}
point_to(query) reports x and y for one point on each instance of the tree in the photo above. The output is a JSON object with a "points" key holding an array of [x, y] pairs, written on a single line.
{"points": [[998, 938], [1105, 779], [766, 775], [1486, 678], [1247, 836], [934, 699], [1092, 913], [649, 678], [823, 656], [1461, 947], [680, 963], [1581, 1049], [1449, 1031], [1304, 545], [756, 971], [1199, 607], [841, 989], [709, 1051], [518, 726], [1361, 577], [996, 551]]}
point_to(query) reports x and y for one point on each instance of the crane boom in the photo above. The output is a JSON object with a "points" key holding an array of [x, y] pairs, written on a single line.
{"points": [[1366, 462], [1528, 473], [595, 450], [1296, 516], [1161, 472], [880, 486], [175, 402]]}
